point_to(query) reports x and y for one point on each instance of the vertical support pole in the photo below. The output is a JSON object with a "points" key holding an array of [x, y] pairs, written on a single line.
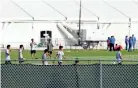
{"points": [[77, 77], [101, 75], [98, 27], [129, 26], [2, 33], [33, 27], [79, 24]]}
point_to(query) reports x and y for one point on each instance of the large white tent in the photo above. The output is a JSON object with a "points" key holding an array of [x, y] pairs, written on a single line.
{"points": [[23, 19]]}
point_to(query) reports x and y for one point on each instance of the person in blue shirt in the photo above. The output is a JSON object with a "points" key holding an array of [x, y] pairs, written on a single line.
{"points": [[112, 43], [126, 42], [130, 44], [134, 41]]}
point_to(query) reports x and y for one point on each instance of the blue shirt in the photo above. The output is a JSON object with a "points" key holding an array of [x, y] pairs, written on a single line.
{"points": [[112, 40], [133, 39], [130, 41]]}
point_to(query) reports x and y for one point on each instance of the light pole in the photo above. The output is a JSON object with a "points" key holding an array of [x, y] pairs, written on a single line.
{"points": [[79, 37]]}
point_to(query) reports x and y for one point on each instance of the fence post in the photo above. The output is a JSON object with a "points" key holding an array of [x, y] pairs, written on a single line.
{"points": [[101, 75], [77, 78]]}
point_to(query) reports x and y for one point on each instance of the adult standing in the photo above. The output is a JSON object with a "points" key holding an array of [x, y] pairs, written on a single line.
{"points": [[33, 51], [126, 42], [112, 43], [50, 47], [134, 41], [130, 44]]}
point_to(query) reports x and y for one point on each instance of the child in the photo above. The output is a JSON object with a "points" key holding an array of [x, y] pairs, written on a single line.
{"points": [[60, 55], [33, 51], [116, 47], [118, 56], [21, 48], [7, 55], [44, 57]]}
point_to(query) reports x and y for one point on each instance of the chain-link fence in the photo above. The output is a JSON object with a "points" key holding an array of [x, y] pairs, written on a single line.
{"points": [[69, 61], [98, 75]]}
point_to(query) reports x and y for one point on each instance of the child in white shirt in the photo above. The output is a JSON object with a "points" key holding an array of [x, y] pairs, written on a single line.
{"points": [[60, 55], [118, 56], [7, 55], [44, 57], [20, 54]]}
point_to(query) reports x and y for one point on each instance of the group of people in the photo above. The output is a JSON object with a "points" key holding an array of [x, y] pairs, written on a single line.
{"points": [[47, 53], [130, 43], [111, 43], [8, 53], [130, 46]]}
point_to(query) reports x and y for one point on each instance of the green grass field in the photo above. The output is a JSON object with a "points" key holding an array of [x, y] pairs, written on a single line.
{"points": [[80, 54]]}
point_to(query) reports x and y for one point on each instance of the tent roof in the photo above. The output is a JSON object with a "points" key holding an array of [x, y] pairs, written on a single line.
{"points": [[106, 10]]}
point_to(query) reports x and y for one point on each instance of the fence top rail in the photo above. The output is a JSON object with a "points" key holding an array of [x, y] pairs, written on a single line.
{"points": [[75, 60]]}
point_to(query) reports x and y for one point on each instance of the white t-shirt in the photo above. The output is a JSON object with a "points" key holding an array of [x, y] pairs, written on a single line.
{"points": [[60, 55], [118, 55], [7, 55], [32, 44], [44, 57], [20, 53]]}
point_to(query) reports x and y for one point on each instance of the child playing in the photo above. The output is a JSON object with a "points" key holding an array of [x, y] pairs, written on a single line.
{"points": [[33, 51], [118, 56], [7, 55], [21, 48], [44, 57], [60, 55]]}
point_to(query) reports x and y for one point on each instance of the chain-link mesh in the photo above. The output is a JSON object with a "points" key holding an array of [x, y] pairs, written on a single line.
{"points": [[120, 76], [69, 76]]}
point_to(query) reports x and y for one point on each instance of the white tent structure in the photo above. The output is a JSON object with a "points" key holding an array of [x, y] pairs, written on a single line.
{"points": [[21, 20]]}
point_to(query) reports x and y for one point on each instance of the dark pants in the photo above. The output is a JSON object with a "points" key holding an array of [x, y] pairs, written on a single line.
{"points": [[112, 47], [108, 46], [126, 45], [134, 45], [130, 48]]}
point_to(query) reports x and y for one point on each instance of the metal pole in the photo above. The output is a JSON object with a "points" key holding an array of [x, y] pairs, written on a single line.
{"points": [[79, 24], [88, 10], [101, 75], [129, 27], [98, 27], [33, 29], [2, 33]]}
